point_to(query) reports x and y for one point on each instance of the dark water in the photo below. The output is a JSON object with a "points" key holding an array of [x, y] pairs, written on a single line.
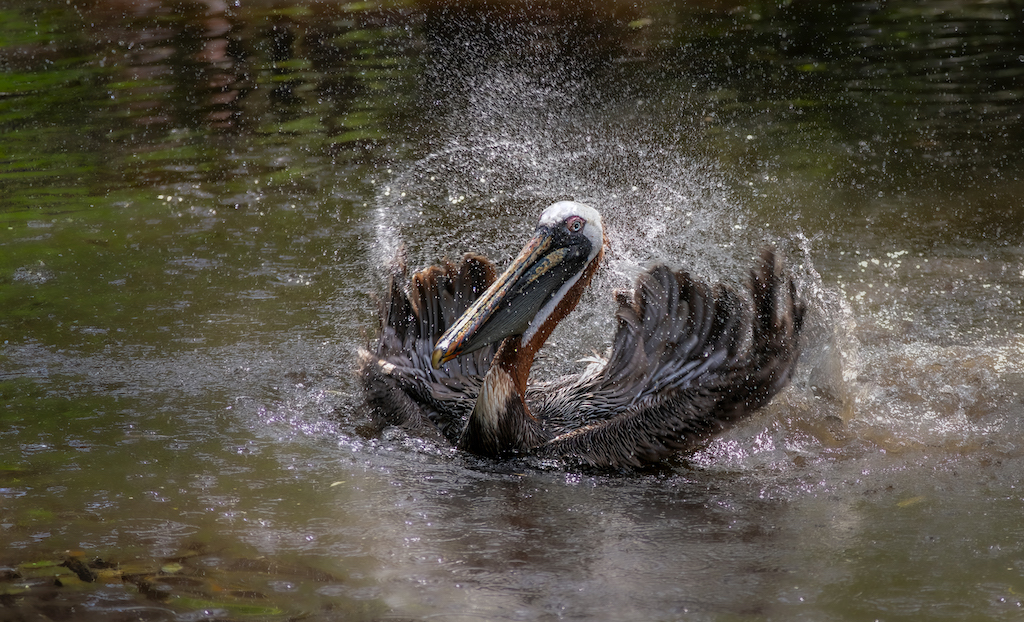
{"points": [[197, 202]]}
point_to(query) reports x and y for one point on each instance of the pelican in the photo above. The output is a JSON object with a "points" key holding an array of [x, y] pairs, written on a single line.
{"points": [[687, 360]]}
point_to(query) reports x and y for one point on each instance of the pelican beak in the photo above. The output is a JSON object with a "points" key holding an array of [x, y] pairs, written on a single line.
{"points": [[543, 271]]}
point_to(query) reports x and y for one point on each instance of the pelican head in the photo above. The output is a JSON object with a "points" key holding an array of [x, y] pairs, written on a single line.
{"points": [[567, 244]]}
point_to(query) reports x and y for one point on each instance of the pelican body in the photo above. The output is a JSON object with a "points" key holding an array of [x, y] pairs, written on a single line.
{"points": [[688, 359]]}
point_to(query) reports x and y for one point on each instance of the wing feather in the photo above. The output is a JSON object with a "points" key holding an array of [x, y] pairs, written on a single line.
{"points": [[687, 360], [401, 386]]}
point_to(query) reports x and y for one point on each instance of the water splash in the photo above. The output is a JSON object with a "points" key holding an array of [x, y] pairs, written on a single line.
{"points": [[521, 143], [515, 138]]}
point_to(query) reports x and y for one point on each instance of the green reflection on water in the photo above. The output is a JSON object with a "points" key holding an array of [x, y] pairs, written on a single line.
{"points": [[147, 169], [137, 269], [46, 152], [94, 102]]}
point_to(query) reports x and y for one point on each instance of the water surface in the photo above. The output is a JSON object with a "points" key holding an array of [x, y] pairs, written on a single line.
{"points": [[198, 205]]}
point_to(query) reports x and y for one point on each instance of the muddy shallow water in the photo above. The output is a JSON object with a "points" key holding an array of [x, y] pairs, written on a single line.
{"points": [[199, 204]]}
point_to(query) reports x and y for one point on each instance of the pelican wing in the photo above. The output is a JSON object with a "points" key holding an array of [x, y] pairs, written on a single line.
{"points": [[687, 360], [402, 388]]}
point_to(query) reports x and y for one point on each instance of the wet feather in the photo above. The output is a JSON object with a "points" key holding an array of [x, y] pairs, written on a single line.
{"points": [[687, 360]]}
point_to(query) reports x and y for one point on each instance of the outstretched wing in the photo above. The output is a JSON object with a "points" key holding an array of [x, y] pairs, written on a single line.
{"points": [[688, 359], [402, 388]]}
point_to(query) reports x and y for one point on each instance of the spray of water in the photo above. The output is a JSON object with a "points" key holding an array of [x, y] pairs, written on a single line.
{"points": [[519, 145], [521, 141]]}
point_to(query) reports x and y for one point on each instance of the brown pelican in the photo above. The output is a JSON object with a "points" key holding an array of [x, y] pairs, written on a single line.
{"points": [[687, 359]]}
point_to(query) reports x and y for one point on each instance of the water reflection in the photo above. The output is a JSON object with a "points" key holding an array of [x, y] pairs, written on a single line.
{"points": [[198, 201], [847, 87]]}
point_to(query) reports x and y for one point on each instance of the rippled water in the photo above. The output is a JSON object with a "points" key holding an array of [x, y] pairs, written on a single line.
{"points": [[199, 203]]}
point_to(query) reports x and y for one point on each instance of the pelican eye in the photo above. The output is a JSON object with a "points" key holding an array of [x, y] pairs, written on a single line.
{"points": [[574, 223]]}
